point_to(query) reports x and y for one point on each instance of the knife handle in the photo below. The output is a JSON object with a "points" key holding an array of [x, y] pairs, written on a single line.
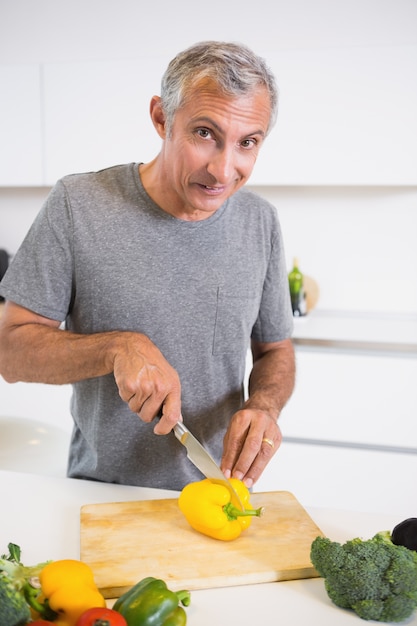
{"points": [[180, 431]]}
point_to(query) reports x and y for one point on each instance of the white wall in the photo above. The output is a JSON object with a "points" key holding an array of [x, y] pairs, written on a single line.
{"points": [[57, 31]]}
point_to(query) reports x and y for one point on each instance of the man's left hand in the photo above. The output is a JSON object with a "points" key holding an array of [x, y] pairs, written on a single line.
{"points": [[250, 442]]}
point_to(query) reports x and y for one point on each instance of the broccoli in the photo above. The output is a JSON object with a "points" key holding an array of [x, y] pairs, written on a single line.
{"points": [[18, 584], [374, 577], [14, 609]]}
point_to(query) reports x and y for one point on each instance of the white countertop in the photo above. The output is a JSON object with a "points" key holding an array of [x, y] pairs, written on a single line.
{"points": [[42, 515], [367, 331]]}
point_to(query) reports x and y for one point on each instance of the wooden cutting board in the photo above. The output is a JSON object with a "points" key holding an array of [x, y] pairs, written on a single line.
{"points": [[124, 542]]}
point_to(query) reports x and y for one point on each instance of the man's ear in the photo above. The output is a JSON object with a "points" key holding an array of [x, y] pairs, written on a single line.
{"points": [[158, 116]]}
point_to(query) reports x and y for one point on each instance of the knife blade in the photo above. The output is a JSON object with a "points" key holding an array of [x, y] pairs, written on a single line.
{"points": [[199, 456]]}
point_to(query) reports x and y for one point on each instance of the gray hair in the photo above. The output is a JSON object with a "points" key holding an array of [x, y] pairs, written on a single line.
{"points": [[234, 68]]}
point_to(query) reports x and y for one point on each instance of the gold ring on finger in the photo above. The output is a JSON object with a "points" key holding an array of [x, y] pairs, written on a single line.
{"points": [[268, 441]]}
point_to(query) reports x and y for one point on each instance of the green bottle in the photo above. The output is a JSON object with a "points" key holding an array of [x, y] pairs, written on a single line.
{"points": [[296, 283]]}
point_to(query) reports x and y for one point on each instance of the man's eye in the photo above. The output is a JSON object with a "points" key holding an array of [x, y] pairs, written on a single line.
{"points": [[248, 143], [204, 133]]}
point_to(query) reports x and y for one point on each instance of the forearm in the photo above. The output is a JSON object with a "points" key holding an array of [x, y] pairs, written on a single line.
{"points": [[272, 379], [34, 349], [38, 353]]}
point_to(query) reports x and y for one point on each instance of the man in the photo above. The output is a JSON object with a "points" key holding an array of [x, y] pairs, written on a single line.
{"points": [[164, 274]]}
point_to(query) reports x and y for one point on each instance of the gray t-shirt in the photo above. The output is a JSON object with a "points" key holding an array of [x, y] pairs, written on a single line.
{"points": [[101, 255]]}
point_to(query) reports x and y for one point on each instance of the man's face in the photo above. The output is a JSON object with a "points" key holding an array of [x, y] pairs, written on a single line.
{"points": [[211, 149]]}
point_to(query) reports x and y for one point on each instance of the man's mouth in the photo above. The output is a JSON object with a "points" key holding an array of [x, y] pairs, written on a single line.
{"points": [[211, 188]]}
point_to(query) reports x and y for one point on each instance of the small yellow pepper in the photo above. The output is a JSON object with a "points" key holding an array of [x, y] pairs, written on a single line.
{"points": [[208, 509], [69, 589]]}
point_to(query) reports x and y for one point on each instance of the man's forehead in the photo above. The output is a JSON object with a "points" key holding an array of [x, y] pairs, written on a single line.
{"points": [[195, 92]]}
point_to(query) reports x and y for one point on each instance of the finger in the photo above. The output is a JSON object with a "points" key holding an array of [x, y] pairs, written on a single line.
{"points": [[269, 442], [150, 409], [232, 448], [239, 455], [254, 472], [253, 452], [269, 447], [153, 388], [146, 401], [250, 442], [257, 450], [171, 413], [135, 389]]}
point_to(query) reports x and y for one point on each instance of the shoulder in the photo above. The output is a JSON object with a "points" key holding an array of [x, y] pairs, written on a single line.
{"points": [[254, 211], [111, 187], [115, 176], [249, 201]]}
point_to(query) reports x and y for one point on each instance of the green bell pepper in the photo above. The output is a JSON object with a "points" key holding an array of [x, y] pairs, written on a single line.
{"points": [[151, 603]]}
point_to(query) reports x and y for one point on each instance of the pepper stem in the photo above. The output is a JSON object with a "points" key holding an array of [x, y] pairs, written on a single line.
{"points": [[31, 596], [233, 512], [184, 597]]}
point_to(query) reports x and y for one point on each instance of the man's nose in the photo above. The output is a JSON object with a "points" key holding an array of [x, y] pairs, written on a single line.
{"points": [[222, 164]]}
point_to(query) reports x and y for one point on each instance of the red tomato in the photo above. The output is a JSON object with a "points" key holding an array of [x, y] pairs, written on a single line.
{"points": [[101, 617]]}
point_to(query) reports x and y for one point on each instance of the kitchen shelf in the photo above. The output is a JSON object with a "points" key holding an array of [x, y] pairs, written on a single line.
{"points": [[373, 332]]}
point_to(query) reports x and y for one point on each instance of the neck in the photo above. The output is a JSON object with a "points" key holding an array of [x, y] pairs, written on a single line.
{"points": [[154, 181]]}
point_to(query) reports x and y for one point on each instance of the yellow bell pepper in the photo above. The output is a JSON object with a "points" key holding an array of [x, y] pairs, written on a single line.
{"points": [[208, 509], [67, 591]]}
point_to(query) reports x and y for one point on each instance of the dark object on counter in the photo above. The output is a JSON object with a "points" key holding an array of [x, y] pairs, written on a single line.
{"points": [[4, 264], [297, 292], [405, 534]]}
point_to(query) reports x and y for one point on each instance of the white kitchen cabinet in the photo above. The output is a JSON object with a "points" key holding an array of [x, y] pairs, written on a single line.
{"points": [[343, 478], [353, 398], [349, 429], [355, 382], [21, 153], [97, 114]]}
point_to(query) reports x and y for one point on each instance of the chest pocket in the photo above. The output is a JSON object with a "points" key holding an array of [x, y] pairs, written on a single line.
{"points": [[236, 313]]}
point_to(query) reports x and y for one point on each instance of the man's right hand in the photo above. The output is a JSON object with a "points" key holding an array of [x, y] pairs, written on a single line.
{"points": [[146, 381]]}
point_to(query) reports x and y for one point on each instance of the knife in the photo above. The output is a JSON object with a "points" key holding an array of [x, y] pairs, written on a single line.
{"points": [[204, 462]]}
